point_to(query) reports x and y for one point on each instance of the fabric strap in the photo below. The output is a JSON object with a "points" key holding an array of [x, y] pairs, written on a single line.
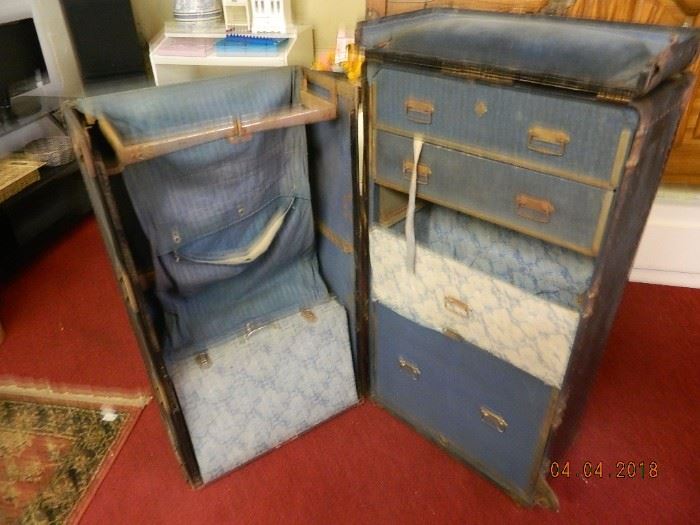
{"points": [[411, 211]]}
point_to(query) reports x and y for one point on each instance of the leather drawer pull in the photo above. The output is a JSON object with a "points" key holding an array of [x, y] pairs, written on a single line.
{"points": [[419, 111], [409, 368], [456, 306], [547, 141], [534, 209], [492, 419], [424, 172]]}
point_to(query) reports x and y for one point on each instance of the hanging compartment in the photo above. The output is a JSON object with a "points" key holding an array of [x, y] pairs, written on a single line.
{"points": [[248, 345]]}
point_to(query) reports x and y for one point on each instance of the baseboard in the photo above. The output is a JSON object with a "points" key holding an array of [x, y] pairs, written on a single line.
{"points": [[669, 252], [685, 280]]}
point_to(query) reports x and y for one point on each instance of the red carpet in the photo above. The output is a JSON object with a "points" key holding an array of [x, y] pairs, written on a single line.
{"points": [[65, 323]]}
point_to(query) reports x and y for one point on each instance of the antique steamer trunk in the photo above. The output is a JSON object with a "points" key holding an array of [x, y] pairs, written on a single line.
{"points": [[476, 209]]}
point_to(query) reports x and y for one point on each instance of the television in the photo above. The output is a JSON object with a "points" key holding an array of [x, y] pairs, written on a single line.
{"points": [[23, 67]]}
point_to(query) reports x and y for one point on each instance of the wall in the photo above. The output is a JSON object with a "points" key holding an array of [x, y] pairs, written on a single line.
{"points": [[150, 16], [326, 17]]}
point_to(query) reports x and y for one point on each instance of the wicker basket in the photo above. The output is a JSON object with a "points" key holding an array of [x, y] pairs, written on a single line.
{"points": [[54, 151]]}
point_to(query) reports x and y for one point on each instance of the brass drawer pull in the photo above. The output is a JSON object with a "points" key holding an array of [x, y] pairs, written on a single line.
{"points": [[492, 419], [409, 368], [424, 172], [453, 334], [454, 305], [534, 209], [419, 111], [547, 141]]}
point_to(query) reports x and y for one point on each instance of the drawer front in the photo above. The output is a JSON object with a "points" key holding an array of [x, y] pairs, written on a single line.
{"points": [[523, 329], [483, 409], [570, 137], [557, 210]]}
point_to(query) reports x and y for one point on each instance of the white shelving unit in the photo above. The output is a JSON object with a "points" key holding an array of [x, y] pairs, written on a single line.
{"points": [[173, 69]]}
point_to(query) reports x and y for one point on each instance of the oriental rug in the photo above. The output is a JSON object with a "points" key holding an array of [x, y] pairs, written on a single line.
{"points": [[56, 445]]}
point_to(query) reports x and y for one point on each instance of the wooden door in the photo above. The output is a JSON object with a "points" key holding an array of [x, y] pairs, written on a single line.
{"points": [[684, 162]]}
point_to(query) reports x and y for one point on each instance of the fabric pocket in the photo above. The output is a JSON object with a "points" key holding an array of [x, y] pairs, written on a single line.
{"points": [[259, 240], [242, 244]]}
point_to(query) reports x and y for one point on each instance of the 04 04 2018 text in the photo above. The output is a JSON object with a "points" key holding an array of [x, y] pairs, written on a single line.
{"points": [[602, 470]]}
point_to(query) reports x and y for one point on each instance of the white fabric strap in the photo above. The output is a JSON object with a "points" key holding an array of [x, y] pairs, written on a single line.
{"points": [[411, 211]]}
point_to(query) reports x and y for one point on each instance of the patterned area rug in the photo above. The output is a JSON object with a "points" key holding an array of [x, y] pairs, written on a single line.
{"points": [[56, 447]]}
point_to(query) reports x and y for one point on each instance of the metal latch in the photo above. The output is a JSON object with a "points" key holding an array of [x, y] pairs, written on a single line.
{"points": [[203, 360]]}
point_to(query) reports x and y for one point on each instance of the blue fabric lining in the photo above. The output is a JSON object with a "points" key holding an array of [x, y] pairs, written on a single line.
{"points": [[201, 203], [549, 271]]}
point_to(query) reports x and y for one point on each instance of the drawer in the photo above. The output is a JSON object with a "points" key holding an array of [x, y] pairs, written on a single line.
{"points": [[450, 296], [486, 411], [570, 137], [534, 266], [557, 210]]}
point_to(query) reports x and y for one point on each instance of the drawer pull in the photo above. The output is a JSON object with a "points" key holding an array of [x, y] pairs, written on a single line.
{"points": [[453, 334], [534, 209], [456, 306], [419, 111], [492, 419], [409, 368], [547, 141], [424, 172]]}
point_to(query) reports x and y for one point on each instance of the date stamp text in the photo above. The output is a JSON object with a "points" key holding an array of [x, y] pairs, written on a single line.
{"points": [[602, 470]]}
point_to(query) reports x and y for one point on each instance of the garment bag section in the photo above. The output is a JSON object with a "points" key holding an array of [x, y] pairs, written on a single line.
{"points": [[257, 347]]}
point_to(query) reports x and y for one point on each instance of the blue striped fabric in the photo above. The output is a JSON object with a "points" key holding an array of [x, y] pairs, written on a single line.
{"points": [[204, 206]]}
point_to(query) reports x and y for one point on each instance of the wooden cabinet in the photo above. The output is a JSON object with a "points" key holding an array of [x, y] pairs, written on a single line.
{"points": [[684, 163]]}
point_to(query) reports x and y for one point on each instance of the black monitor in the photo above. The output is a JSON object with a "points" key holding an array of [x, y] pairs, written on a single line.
{"points": [[22, 65]]}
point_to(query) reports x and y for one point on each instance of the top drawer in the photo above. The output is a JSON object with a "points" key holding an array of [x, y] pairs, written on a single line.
{"points": [[570, 137]]}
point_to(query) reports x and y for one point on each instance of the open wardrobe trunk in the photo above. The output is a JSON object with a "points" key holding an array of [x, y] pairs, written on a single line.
{"points": [[450, 236]]}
